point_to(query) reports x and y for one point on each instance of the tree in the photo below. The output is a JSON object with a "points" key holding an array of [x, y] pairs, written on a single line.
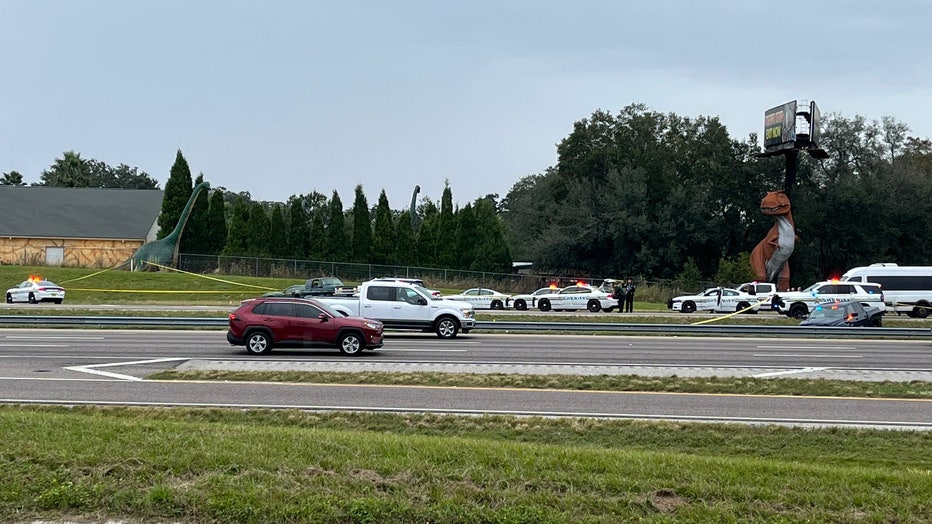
{"points": [[298, 232], [177, 192], [447, 255], [428, 234], [383, 241], [278, 233], [336, 230], [491, 251], [464, 241], [257, 243], [362, 227], [13, 178], [317, 248], [68, 171], [216, 223], [238, 239], [194, 239], [405, 245]]}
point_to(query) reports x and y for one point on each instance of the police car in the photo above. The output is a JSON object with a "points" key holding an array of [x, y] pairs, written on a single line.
{"points": [[716, 300], [482, 298], [576, 297], [529, 300], [35, 290], [798, 304]]}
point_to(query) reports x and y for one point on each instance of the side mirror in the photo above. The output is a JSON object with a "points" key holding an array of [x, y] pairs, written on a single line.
{"points": [[422, 301], [324, 317]]}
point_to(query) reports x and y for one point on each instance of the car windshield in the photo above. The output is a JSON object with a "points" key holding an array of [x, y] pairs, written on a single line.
{"points": [[828, 312], [812, 288], [328, 309], [426, 292]]}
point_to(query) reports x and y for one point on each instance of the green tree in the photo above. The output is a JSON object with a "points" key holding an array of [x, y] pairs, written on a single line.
{"points": [[68, 171], [216, 223], [318, 246], [177, 192], [405, 245], [278, 233], [194, 238], [428, 234], [257, 243], [383, 241], [13, 178], [447, 255], [337, 248], [298, 233], [465, 237], [491, 251], [362, 227], [238, 240]]}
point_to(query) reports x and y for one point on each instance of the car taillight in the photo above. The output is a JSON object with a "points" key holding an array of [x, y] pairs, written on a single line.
{"points": [[41, 289], [232, 316]]}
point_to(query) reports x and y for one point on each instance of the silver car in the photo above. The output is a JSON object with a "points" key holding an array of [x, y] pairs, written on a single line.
{"points": [[34, 291]]}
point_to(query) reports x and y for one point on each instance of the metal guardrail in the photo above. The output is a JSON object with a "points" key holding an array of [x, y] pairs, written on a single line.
{"points": [[588, 327]]}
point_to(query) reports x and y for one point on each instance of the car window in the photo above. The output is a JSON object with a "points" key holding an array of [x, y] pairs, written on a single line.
{"points": [[306, 311], [471, 292], [275, 309], [380, 293], [408, 295], [730, 293]]}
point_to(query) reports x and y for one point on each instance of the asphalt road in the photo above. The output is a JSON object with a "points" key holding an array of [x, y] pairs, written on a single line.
{"points": [[104, 367]]}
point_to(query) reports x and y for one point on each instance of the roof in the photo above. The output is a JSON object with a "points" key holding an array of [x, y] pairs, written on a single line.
{"points": [[78, 212]]}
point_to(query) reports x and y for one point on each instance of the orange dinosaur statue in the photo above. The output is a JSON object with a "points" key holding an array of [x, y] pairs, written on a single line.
{"points": [[769, 259]]}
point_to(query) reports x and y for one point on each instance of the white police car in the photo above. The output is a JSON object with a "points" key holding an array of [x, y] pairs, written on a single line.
{"points": [[35, 290], [529, 300], [576, 297], [716, 300], [482, 298]]}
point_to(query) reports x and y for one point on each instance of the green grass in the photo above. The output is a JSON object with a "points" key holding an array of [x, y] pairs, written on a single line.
{"points": [[724, 385], [288, 466]]}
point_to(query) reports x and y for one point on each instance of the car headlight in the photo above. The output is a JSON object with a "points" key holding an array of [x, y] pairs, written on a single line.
{"points": [[371, 324], [468, 312]]}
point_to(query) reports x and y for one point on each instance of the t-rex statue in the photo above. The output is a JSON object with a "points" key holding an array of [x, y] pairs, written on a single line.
{"points": [[164, 251], [769, 259]]}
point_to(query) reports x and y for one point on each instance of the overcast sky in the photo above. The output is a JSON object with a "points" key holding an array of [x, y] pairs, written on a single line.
{"points": [[285, 97]]}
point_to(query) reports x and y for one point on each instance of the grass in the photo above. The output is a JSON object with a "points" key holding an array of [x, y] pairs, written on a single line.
{"points": [[725, 385], [288, 466]]}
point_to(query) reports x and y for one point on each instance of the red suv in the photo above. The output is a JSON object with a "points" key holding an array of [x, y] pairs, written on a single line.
{"points": [[263, 323]]}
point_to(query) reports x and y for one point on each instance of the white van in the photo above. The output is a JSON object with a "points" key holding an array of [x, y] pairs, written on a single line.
{"points": [[906, 289]]}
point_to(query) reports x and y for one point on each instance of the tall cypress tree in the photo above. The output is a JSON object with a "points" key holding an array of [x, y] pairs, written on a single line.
{"points": [[216, 224], [447, 256], [257, 243], [362, 227], [177, 192], [405, 247], [465, 243], [278, 233], [194, 236], [337, 249], [383, 240], [298, 231], [317, 236], [238, 239], [427, 235], [491, 249]]}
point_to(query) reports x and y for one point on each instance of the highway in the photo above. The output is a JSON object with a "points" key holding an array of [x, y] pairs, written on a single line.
{"points": [[108, 367]]}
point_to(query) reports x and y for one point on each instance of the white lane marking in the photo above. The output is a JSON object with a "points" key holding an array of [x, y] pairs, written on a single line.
{"points": [[804, 355], [806, 347], [34, 345], [50, 337], [788, 372], [425, 350], [92, 368]]}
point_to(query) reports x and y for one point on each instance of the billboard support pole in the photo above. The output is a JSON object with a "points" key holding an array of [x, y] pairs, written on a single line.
{"points": [[792, 160]]}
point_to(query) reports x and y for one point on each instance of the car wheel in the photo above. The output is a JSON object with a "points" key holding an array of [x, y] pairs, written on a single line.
{"points": [[543, 305], [688, 307], [258, 343], [799, 311], [58, 301], [446, 327], [593, 306], [520, 305], [351, 344], [32, 299], [742, 306], [922, 310], [497, 304], [9, 298]]}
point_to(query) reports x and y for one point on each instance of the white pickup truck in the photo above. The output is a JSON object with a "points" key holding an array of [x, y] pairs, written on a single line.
{"points": [[401, 305]]}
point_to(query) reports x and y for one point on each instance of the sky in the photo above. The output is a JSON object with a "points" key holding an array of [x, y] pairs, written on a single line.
{"points": [[286, 97]]}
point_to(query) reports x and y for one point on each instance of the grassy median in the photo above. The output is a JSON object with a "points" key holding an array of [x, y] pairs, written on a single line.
{"points": [[174, 465]]}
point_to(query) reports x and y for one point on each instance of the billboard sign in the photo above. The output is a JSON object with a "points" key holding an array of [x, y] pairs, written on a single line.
{"points": [[780, 125]]}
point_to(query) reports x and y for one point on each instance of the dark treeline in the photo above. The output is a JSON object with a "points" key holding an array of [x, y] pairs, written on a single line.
{"points": [[635, 193], [657, 195]]}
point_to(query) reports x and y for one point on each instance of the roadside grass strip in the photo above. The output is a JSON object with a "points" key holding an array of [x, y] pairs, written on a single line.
{"points": [[178, 465]]}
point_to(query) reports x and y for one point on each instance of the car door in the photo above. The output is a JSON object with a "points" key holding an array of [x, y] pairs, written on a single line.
{"points": [[21, 294], [709, 300], [277, 317], [411, 305], [309, 327], [380, 303]]}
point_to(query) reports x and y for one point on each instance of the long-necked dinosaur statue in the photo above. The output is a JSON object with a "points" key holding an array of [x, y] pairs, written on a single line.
{"points": [[770, 257], [417, 189], [164, 251]]}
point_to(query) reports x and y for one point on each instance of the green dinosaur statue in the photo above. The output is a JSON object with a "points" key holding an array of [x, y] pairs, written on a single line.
{"points": [[164, 251]]}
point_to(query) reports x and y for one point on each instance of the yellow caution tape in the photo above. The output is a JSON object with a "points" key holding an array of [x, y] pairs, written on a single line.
{"points": [[211, 278], [186, 291], [716, 319], [94, 274]]}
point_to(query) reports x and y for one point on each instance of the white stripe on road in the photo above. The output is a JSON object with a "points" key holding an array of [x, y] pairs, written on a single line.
{"points": [[788, 372], [92, 368], [804, 355]]}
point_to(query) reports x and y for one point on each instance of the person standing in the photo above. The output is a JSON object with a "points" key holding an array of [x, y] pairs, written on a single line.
{"points": [[619, 293], [629, 296]]}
